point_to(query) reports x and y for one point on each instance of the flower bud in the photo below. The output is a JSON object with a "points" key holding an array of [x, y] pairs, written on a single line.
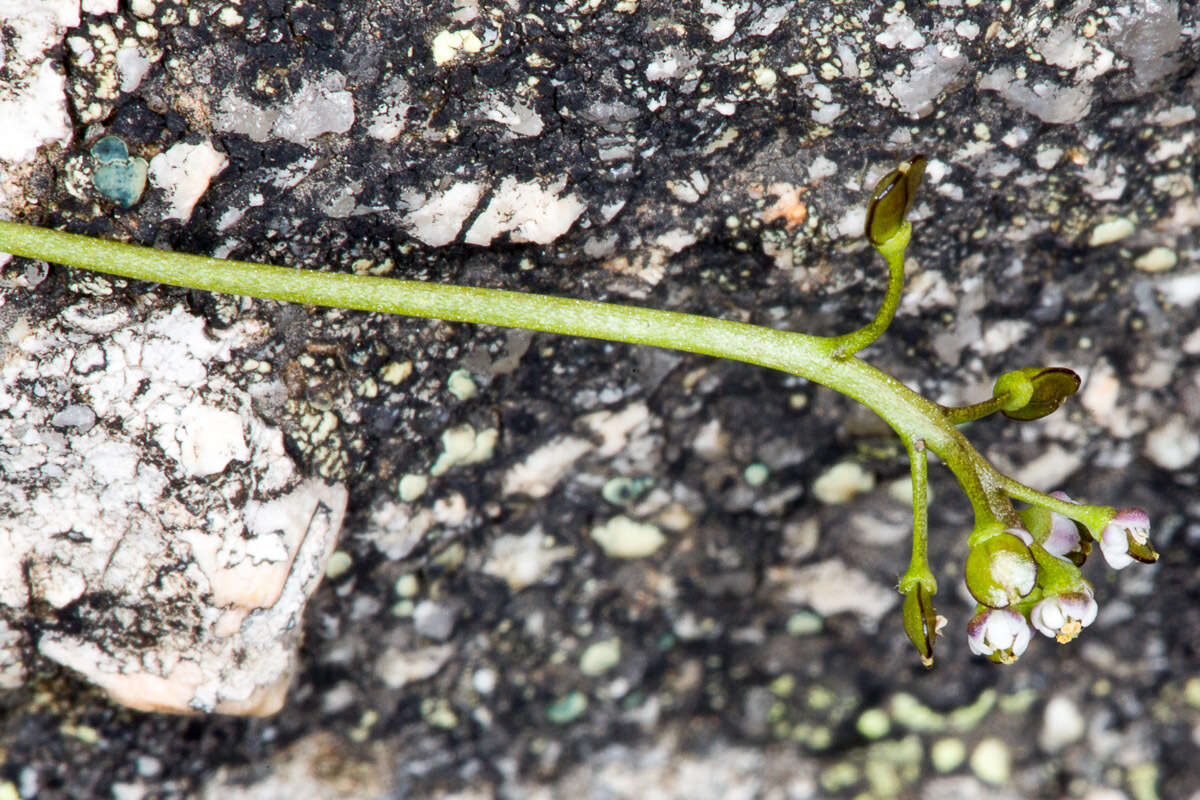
{"points": [[892, 198], [1034, 392], [1001, 634], [921, 622], [1127, 539], [1064, 616], [1001, 570]]}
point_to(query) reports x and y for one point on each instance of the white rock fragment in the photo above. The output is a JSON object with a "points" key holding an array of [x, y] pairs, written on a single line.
{"points": [[37, 25], [317, 109], [400, 666], [541, 471], [98, 7], [12, 669], [314, 110], [622, 537], [830, 587], [1051, 467], [436, 219], [132, 67], [209, 438], [33, 114], [397, 528], [522, 561], [842, 482], [934, 70], [216, 588], [183, 173], [726, 15], [1174, 444], [900, 32], [58, 585], [1181, 290], [433, 620], [529, 212], [1049, 102], [520, 119]]}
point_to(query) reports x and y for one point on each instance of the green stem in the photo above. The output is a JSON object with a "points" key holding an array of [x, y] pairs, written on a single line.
{"points": [[819, 359], [918, 566], [1095, 518], [893, 252], [958, 415]]}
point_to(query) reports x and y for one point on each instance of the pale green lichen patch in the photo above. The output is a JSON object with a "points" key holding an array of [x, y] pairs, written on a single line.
{"points": [[622, 537], [117, 176], [991, 761], [623, 491], [395, 372], [947, 754], [462, 385], [1111, 231], [449, 45], [600, 657], [873, 723], [412, 486], [1157, 259], [462, 446], [756, 474], [338, 563], [567, 709]]}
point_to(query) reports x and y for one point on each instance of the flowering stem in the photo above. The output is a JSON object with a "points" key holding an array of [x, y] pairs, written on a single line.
{"points": [[1095, 518], [918, 567], [825, 360], [958, 415], [893, 253]]}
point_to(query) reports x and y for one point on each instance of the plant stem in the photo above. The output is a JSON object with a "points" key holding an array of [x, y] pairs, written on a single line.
{"points": [[1092, 517], [893, 253], [918, 566], [958, 415], [819, 359]]}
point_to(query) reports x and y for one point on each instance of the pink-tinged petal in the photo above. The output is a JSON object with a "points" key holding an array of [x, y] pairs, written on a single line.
{"points": [[999, 633], [1064, 616]]}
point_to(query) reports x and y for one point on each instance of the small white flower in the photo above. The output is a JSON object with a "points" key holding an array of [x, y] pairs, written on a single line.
{"points": [[999, 633], [1064, 533], [1130, 525], [1063, 616]]}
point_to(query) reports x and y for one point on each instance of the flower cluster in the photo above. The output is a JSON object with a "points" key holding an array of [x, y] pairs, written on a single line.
{"points": [[1028, 578]]}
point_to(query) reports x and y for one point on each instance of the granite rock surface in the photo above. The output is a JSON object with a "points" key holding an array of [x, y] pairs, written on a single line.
{"points": [[558, 567]]}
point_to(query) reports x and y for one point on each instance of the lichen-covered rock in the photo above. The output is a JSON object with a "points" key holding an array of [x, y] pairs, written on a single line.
{"points": [[707, 157], [151, 522]]}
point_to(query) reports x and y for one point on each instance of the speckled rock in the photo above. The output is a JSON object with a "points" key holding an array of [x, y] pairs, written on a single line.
{"points": [[710, 158]]}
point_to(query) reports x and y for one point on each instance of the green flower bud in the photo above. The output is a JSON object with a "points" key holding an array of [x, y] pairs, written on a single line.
{"points": [[892, 199], [921, 622], [1001, 570], [1034, 392]]}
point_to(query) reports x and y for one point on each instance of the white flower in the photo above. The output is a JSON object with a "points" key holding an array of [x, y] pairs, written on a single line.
{"points": [[1130, 525], [1063, 616], [1063, 537], [999, 633]]}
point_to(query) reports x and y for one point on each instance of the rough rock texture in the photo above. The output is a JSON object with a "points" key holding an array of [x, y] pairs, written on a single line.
{"points": [[566, 567]]}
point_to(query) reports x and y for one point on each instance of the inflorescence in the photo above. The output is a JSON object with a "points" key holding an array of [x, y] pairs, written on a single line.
{"points": [[1023, 567]]}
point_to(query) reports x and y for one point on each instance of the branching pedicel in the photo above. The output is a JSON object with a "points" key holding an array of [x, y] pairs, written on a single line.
{"points": [[1022, 567]]}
